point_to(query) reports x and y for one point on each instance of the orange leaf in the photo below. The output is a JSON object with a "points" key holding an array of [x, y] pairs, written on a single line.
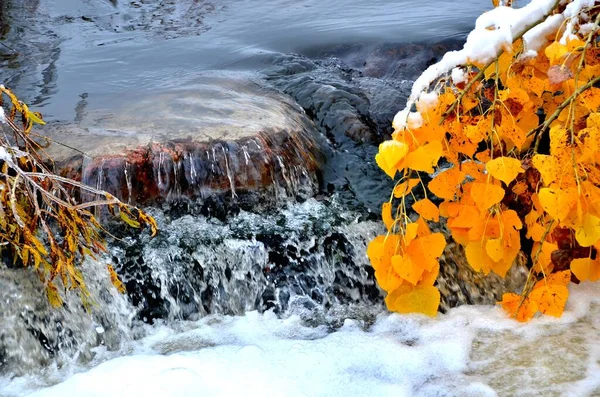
{"points": [[478, 257], [467, 216], [551, 299], [445, 184], [428, 278], [505, 169], [425, 157], [495, 249], [557, 202], [407, 268], [427, 210], [589, 233], [381, 249], [547, 166], [559, 278], [404, 188], [586, 269], [391, 155], [544, 259], [426, 250], [486, 195], [510, 303], [386, 215], [422, 299]]}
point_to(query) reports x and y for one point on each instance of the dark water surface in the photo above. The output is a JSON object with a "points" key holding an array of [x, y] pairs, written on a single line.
{"points": [[72, 51]]}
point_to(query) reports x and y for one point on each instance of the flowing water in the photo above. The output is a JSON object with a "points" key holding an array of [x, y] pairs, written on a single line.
{"points": [[271, 296]]}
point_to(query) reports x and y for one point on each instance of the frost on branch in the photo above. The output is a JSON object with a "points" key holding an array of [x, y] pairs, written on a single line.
{"points": [[42, 224], [514, 117]]}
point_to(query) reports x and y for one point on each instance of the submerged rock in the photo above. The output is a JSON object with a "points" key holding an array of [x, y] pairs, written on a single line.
{"points": [[221, 135]]}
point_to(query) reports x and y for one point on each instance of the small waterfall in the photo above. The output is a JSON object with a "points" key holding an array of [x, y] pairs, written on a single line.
{"points": [[304, 258], [33, 334]]}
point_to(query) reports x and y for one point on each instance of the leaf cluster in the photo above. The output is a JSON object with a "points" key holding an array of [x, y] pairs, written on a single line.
{"points": [[42, 225], [519, 139]]}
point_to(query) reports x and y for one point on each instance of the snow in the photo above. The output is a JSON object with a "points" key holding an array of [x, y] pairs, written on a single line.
{"points": [[4, 155], [474, 351], [495, 30], [2, 116], [458, 76]]}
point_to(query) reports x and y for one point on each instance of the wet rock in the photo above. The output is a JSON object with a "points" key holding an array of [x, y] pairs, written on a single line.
{"points": [[222, 136], [198, 266], [460, 285]]}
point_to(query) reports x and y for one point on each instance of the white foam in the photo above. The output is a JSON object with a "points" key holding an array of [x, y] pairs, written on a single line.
{"points": [[475, 351]]}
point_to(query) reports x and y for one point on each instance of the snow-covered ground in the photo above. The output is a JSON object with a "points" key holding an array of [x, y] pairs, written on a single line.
{"points": [[472, 351]]}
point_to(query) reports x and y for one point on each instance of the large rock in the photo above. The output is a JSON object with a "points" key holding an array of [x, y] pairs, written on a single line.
{"points": [[221, 135]]}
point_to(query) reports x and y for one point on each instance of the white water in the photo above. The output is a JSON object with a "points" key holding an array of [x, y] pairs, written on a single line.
{"points": [[471, 351]]}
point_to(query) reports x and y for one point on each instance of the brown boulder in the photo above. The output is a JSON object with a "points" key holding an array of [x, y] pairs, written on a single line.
{"points": [[221, 135]]}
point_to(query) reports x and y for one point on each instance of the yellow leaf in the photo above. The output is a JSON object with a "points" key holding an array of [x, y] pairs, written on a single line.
{"points": [[525, 312], [586, 269], [428, 278], [391, 155], [495, 249], [551, 299], [422, 299], [131, 222], [53, 296], [410, 232], [114, 278], [425, 157], [555, 52], [427, 210], [547, 166], [486, 195], [557, 202], [386, 215], [406, 268], [559, 278], [478, 257], [589, 233], [425, 250], [505, 169], [445, 184], [404, 188], [544, 259]]}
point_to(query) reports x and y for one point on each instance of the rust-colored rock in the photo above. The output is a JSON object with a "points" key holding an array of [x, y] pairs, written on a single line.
{"points": [[221, 135]]}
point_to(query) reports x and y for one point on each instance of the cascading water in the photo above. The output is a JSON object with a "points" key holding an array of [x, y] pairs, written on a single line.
{"points": [[259, 272]]}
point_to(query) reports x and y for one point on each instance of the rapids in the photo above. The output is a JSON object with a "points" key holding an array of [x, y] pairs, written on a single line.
{"points": [[272, 295]]}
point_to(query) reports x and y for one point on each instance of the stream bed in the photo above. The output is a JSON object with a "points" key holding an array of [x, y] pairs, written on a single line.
{"points": [[271, 295]]}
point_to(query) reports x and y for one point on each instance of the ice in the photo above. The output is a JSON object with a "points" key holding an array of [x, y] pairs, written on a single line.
{"points": [[474, 351]]}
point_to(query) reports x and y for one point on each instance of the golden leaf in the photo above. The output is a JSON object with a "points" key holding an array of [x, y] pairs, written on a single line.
{"points": [[427, 210], [404, 188], [557, 202], [525, 312], [406, 268], [586, 269], [589, 233], [114, 278], [386, 215], [420, 299], [486, 195], [53, 296], [551, 299], [391, 155], [445, 184], [495, 249], [425, 157], [555, 52], [505, 169]]}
